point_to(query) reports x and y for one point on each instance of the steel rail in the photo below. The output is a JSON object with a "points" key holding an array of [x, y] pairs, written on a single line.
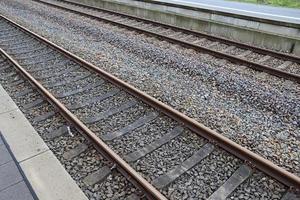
{"points": [[234, 59], [151, 192], [266, 166], [193, 32]]}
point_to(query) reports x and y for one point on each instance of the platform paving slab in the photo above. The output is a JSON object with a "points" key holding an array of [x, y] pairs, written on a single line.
{"points": [[18, 132], [6, 105], [51, 174], [2, 91], [5, 156], [12, 183], [9, 175], [41, 169], [18, 191]]}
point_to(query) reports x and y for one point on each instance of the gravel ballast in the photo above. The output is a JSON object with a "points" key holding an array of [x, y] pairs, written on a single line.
{"points": [[153, 165], [115, 186], [259, 112]]}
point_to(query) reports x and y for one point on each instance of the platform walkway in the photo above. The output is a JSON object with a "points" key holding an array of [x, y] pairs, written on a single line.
{"points": [[13, 185], [289, 15], [38, 166]]}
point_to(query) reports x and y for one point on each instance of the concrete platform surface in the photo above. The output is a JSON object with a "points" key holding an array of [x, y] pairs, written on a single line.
{"points": [[289, 15], [30, 160], [13, 185]]}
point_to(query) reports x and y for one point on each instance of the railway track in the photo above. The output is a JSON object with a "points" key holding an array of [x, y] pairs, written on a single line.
{"points": [[161, 151], [275, 63]]}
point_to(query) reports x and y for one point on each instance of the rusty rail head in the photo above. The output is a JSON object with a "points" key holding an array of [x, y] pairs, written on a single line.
{"points": [[234, 59], [276, 54], [282, 175], [152, 192]]}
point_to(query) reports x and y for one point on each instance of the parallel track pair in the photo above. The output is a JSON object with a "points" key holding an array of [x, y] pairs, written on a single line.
{"points": [[85, 106], [283, 65]]}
